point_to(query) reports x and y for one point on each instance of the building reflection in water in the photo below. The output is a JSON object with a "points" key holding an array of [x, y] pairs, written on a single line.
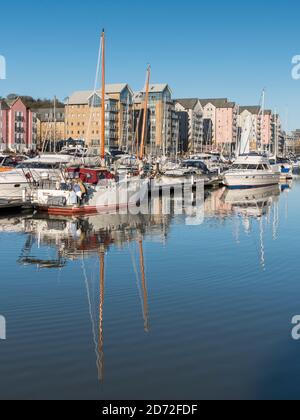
{"points": [[79, 238]]}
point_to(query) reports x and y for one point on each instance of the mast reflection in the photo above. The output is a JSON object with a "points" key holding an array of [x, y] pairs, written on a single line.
{"points": [[80, 238]]}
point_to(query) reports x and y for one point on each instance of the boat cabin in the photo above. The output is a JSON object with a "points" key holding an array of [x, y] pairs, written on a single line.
{"points": [[90, 175]]}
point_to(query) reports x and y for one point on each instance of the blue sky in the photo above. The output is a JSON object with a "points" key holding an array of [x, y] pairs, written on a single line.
{"points": [[222, 49]]}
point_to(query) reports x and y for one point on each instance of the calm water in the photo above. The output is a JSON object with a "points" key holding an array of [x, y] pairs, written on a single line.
{"points": [[156, 307]]}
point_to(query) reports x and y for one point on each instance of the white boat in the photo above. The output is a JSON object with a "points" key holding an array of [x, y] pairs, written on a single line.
{"points": [[214, 162], [282, 165], [251, 171], [188, 174], [106, 196], [32, 171]]}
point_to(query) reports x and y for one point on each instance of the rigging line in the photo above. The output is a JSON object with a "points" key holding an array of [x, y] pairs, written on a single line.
{"points": [[95, 87], [250, 133], [45, 141], [90, 312], [262, 246], [133, 259]]}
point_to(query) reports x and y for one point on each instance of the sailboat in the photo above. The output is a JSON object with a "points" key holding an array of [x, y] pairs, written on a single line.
{"points": [[107, 193]]}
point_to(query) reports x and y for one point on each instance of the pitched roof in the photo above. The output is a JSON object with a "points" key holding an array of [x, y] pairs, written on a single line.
{"points": [[227, 105], [188, 103], [139, 96], [255, 109], [3, 104], [217, 102], [158, 88], [81, 97], [11, 102], [46, 114]]}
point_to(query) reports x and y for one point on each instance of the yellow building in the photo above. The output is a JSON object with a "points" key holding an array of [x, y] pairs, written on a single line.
{"points": [[83, 116], [50, 128]]}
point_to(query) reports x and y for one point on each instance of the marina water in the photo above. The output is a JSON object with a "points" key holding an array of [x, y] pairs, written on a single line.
{"points": [[154, 307]]}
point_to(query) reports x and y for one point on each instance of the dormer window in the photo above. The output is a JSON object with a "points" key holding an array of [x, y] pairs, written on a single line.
{"points": [[95, 101]]}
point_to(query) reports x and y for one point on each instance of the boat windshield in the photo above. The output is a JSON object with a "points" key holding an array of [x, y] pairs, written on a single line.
{"points": [[39, 165], [249, 167]]}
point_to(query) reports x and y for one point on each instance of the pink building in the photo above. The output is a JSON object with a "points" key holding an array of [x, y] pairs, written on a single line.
{"points": [[226, 126], [266, 129], [223, 116], [3, 125], [18, 130]]}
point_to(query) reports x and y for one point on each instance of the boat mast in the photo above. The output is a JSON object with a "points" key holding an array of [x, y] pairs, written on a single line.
{"points": [[276, 137], [54, 124], [142, 149], [102, 142], [165, 128], [127, 124], [262, 120]]}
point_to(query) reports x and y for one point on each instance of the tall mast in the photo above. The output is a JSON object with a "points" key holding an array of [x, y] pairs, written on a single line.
{"points": [[165, 128], [127, 124], [54, 124], [262, 119], [145, 115], [275, 135], [102, 142]]}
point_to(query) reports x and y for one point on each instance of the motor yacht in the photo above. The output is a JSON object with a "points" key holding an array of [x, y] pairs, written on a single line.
{"points": [[8, 162], [251, 171], [31, 171]]}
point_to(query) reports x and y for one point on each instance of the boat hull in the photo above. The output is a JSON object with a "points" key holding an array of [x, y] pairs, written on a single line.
{"points": [[78, 210], [12, 190], [103, 200], [243, 181]]}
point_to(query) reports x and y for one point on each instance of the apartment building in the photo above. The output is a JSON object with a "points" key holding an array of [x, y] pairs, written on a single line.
{"points": [[249, 115], [50, 125], [226, 127], [3, 125], [162, 136], [262, 136], [292, 142], [83, 116], [209, 116], [190, 114], [18, 126], [220, 123]]}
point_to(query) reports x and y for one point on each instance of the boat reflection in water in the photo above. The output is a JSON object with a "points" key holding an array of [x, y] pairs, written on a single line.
{"points": [[79, 238], [251, 203], [248, 207]]}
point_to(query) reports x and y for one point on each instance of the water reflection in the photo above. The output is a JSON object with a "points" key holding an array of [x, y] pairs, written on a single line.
{"points": [[81, 238]]}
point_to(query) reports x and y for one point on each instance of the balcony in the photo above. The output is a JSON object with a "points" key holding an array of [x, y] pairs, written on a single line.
{"points": [[19, 130]]}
